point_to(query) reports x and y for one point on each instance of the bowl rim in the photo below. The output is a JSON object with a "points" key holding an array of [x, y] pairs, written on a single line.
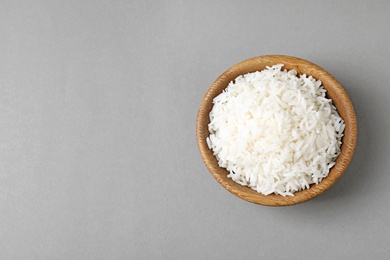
{"points": [[301, 65]]}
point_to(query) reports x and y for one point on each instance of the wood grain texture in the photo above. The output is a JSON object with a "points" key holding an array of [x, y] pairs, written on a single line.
{"points": [[334, 91]]}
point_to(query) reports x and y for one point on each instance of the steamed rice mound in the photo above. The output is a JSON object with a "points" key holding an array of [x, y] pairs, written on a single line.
{"points": [[274, 131]]}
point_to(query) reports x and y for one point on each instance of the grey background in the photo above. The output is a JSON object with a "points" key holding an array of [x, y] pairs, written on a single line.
{"points": [[98, 102]]}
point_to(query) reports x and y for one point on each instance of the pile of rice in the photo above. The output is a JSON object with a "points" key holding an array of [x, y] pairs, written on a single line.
{"points": [[274, 131]]}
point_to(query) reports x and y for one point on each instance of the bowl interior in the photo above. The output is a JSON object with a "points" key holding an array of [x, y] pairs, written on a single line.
{"points": [[334, 91]]}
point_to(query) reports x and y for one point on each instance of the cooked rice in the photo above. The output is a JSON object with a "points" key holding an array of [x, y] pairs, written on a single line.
{"points": [[275, 131]]}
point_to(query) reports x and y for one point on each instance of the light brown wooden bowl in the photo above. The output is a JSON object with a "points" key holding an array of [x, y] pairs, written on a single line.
{"points": [[334, 91]]}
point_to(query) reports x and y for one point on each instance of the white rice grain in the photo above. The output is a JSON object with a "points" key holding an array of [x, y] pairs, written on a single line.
{"points": [[274, 131]]}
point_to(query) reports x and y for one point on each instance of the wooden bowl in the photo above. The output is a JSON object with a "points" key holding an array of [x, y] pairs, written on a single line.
{"points": [[334, 91]]}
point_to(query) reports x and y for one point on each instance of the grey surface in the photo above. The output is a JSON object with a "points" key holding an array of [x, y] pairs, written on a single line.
{"points": [[98, 102]]}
